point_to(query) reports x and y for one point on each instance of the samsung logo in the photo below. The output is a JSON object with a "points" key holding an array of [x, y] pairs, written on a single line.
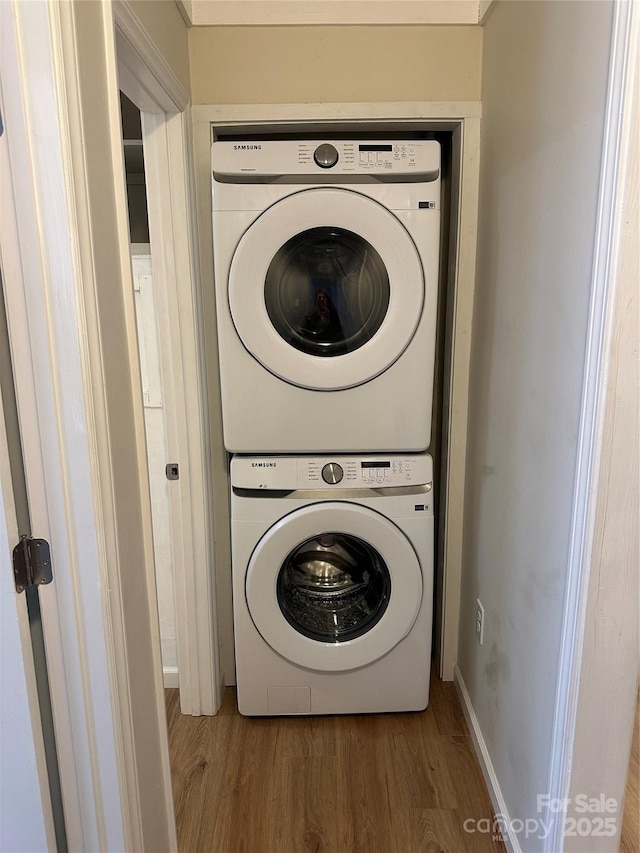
{"points": [[264, 464], [247, 147]]}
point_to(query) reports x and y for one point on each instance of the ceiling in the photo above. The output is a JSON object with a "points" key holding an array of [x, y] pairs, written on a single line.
{"points": [[310, 12]]}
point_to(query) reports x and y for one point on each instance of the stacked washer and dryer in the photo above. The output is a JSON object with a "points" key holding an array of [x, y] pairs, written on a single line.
{"points": [[326, 268]]}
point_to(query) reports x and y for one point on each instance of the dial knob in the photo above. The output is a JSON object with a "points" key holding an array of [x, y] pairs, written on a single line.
{"points": [[326, 155], [332, 473]]}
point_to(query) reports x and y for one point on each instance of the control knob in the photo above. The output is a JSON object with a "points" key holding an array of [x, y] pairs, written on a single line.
{"points": [[332, 473], [326, 155]]}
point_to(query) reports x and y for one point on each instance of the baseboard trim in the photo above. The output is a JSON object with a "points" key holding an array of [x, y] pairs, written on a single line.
{"points": [[170, 676], [499, 806]]}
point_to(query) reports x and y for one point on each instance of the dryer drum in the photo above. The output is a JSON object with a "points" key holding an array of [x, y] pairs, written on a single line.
{"points": [[333, 588], [327, 291]]}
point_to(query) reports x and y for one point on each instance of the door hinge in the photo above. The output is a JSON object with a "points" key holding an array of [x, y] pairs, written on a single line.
{"points": [[31, 563]]}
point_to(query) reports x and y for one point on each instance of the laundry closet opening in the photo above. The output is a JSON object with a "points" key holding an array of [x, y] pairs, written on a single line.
{"points": [[374, 136]]}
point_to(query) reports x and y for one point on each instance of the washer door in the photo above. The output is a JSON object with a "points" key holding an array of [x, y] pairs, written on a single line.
{"points": [[333, 586], [326, 289]]}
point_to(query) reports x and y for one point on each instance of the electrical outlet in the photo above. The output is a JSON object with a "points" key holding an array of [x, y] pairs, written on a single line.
{"points": [[479, 621]]}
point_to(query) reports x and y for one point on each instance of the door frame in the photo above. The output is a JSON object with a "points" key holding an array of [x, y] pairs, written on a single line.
{"points": [[463, 120], [598, 660], [45, 329], [22, 747], [148, 81], [85, 462]]}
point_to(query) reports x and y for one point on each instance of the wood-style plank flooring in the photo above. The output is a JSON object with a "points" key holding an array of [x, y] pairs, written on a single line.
{"points": [[630, 839], [388, 783]]}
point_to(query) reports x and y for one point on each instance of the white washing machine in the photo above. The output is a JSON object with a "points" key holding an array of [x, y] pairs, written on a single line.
{"points": [[332, 583], [326, 267]]}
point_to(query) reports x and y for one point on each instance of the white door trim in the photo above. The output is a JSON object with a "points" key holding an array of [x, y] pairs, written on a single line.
{"points": [[72, 328], [49, 346], [145, 76], [459, 310], [148, 81], [21, 735], [165, 139], [26, 816], [464, 119], [595, 584], [430, 112]]}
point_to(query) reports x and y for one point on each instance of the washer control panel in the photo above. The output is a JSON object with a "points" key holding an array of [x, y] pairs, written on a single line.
{"points": [[313, 157], [331, 472]]}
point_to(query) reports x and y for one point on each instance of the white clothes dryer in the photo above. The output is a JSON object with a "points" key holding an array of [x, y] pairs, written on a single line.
{"points": [[326, 266], [332, 583]]}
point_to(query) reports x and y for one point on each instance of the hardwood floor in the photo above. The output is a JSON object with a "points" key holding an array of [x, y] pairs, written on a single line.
{"points": [[630, 839], [392, 783]]}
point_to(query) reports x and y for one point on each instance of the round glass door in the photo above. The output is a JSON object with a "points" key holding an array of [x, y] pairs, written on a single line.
{"points": [[327, 291], [333, 587]]}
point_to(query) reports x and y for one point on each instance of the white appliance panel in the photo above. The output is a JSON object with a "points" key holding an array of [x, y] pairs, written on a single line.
{"points": [[249, 270], [368, 157], [282, 670], [314, 472], [279, 397]]}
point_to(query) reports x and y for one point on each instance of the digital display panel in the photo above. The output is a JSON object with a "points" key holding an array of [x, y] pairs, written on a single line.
{"points": [[375, 464], [375, 147]]}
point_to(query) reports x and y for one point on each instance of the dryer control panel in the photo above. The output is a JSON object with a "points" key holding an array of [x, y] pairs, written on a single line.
{"points": [[417, 159], [331, 472]]}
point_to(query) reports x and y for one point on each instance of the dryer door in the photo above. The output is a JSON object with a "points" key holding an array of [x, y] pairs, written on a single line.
{"points": [[326, 289], [334, 586]]}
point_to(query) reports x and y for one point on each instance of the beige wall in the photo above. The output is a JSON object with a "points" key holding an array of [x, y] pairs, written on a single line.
{"points": [[271, 65], [544, 90], [167, 29]]}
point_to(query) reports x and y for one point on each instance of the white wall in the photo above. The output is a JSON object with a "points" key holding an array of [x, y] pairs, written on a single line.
{"points": [[545, 71]]}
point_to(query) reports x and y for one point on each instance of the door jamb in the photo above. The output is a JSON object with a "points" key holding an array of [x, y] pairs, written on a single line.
{"points": [[149, 82], [58, 439], [16, 635], [598, 654]]}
